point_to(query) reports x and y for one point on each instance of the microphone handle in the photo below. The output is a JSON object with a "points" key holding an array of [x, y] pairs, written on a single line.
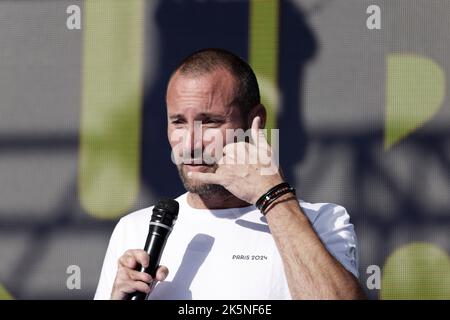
{"points": [[154, 246]]}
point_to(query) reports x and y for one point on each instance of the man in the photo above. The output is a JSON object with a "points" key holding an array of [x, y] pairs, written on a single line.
{"points": [[223, 246]]}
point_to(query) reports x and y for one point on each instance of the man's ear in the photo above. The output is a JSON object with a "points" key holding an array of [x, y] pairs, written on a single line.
{"points": [[257, 111]]}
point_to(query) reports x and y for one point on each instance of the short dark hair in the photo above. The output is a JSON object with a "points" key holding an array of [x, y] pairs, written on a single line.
{"points": [[207, 60]]}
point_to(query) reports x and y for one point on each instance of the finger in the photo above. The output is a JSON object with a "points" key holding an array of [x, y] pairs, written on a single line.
{"points": [[205, 177], [255, 129], [141, 256], [132, 257], [133, 286], [162, 273], [138, 276], [258, 137], [127, 261]]}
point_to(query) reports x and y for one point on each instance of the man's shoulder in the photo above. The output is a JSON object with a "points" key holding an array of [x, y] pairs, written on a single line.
{"points": [[137, 216], [323, 211]]}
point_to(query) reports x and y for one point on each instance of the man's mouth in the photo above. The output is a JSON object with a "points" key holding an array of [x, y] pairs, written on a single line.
{"points": [[196, 162], [191, 166]]}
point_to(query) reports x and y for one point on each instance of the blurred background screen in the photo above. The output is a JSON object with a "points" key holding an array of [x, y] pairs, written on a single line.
{"points": [[357, 88]]}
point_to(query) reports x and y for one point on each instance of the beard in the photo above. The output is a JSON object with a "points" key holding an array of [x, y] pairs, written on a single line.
{"points": [[202, 189]]}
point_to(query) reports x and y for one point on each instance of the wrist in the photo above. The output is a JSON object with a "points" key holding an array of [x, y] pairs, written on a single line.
{"points": [[272, 195], [265, 186], [285, 199]]}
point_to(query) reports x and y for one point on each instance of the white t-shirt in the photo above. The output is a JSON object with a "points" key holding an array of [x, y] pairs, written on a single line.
{"points": [[226, 253]]}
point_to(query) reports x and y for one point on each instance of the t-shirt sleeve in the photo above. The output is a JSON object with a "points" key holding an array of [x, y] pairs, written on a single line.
{"points": [[333, 226], [109, 269]]}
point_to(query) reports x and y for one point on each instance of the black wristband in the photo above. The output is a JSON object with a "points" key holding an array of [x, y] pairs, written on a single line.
{"points": [[274, 193]]}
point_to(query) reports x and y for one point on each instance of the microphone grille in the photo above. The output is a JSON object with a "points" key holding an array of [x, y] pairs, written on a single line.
{"points": [[166, 212], [169, 205]]}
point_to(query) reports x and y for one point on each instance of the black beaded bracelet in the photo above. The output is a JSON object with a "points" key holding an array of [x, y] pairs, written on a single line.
{"points": [[274, 193]]}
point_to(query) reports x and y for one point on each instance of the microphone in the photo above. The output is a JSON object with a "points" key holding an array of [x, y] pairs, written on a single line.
{"points": [[165, 213]]}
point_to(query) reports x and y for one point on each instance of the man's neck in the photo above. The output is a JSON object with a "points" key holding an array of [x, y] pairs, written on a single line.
{"points": [[216, 201]]}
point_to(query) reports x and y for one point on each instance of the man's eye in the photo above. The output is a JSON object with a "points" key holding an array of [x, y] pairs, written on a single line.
{"points": [[212, 121], [177, 121]]}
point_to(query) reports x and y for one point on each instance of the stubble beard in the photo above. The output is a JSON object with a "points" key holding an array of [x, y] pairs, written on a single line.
{"points": [[202, 189]]}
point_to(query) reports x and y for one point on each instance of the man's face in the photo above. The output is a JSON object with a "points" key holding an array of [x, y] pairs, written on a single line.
{"points": [[199, 108]]}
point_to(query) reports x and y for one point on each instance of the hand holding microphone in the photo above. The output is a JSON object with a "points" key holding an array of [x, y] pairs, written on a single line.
{"points": [[129, 280], [138, 269]]}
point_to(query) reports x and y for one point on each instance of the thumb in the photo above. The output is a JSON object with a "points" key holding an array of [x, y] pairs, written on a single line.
{"points": [[254, 130], [161, 273], [205, 177], [258, 137]]}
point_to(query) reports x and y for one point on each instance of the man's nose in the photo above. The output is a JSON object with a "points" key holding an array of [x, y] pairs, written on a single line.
{"points": [[193, 140]]}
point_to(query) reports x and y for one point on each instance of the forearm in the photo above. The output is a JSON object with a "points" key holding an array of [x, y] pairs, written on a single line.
{"points": [[311, 271]]}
